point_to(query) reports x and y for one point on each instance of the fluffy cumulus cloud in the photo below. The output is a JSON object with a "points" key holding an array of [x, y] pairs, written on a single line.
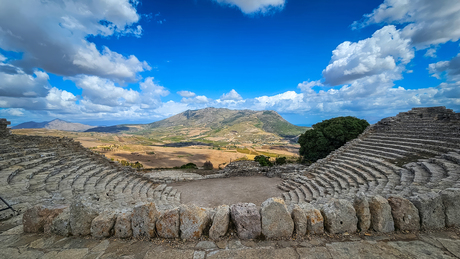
{"points": [[151, 93], [186, 94], [382, 52], [231, 96], [254, 6], [428, 22], [450, 68], [52, 35]]}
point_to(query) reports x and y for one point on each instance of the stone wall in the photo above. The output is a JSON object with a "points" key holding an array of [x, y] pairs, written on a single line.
{"points": [[273, 220], [4, 130]]}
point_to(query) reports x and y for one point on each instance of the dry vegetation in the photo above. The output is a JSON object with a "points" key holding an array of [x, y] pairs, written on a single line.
{"points": [[151, 152]]}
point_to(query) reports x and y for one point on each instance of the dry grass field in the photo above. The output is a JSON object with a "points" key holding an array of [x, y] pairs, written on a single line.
{"points": [[154, 154]]}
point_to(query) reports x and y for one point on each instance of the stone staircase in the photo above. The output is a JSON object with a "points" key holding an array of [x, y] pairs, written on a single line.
{"points": [[49, 170], [412, 153]]}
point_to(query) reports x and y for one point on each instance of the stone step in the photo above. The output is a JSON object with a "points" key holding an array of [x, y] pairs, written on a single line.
{"points": [[421, 176]]}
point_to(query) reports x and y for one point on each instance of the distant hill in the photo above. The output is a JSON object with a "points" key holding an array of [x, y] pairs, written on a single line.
{"points": [[219, 118], [215, 124], [56, 124]]}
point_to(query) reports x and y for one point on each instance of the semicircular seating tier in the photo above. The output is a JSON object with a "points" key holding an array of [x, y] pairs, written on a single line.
{"points": [[52, 170], [414, 152]]}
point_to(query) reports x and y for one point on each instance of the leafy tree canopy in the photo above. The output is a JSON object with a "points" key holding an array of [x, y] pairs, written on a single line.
{"points": [[328, 135]]}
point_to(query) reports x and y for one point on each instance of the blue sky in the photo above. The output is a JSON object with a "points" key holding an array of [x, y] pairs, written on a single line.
{"points": [[120, 61]]}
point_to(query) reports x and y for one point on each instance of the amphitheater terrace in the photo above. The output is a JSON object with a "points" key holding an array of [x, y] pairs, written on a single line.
{"points": [[399, 177]]}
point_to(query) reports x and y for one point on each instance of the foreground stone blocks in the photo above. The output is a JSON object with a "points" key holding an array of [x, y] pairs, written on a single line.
{"points": [[102, 225], [193, 221], [339, 217], [405, 214], [381, 217], [220, 222], [81, 216], [246, 218], [315, 221], [451, 201], [276, 220], [300, 220], [143, 220], [39, 217], [122, 226], [431, 210], [61, 224], [168, 224], [363, 213]]}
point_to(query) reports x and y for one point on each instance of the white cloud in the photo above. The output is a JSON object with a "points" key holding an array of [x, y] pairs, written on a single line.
{"points": [[231, 96], [16, 83], [382, 52], [52, 36], [186, 94], [151, 93], [254, 6], [450, 68], [200, 99], [431, 53], [15, 112], [428, 22], [105, 92]]}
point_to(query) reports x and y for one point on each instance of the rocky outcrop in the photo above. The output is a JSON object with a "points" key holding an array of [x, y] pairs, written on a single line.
{"points": [[123, 228], [81, 216], [246, 218], [276, 220], [39, 217], [102, 225]]}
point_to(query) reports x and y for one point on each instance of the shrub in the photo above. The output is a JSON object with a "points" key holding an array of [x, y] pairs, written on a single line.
{"points": [[280, 160], [329, 135], [189, 166], [208, 165], [263, 160]]}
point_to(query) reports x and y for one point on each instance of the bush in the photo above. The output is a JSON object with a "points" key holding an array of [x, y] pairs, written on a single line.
{"points": [[136, 165], [329, 135], [189, 166], [280, 160], [263, 160], [208, 165]]}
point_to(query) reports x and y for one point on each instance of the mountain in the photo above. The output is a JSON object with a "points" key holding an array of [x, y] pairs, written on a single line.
{"points": [[214, 125], [220, 118], [56, 124]]}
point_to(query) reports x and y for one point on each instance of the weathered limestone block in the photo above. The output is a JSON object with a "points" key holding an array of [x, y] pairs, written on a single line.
{"points": [[315, 220], [431, 210], [123, 227], [61, 224], [103, 225], [143, 220], [405, 214], [363, 213], [451, 201], [39, 217], [220, 222], [276, 220], [339, 217], [193, 221], [81, 216], [381, 218], [168, 224], [246, 217], [300, 220]]}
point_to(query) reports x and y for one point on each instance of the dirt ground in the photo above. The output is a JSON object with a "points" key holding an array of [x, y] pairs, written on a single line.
{"points": [[215, 192]]}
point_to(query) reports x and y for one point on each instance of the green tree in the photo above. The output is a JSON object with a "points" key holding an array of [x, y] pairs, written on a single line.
{"points": [[329, 135], [263, 160]]}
